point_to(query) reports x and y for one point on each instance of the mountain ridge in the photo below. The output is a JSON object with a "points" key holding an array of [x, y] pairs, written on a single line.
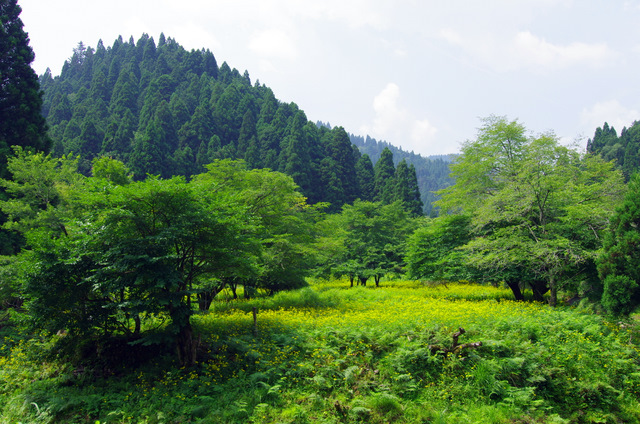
{"points": [[167, 111]]}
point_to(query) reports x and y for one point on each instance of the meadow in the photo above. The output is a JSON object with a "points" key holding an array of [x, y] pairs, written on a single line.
{"points": [[333, 354]]}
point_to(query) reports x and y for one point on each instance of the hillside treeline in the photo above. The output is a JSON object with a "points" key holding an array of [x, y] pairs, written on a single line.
{"points": [[623, 149], [433, 172], [166, 111]]}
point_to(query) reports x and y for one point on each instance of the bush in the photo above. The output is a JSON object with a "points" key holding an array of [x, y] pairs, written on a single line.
{"points": [[618, 297]]}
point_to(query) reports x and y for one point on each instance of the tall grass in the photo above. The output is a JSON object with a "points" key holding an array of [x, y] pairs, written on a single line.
{"points": [[333, 354]]}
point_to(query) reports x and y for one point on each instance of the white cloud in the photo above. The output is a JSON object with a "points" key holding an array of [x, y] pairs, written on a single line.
{"points": [[273, 43], [612, 112], [422, 131], [524, 50], [193, 37], [355, 13], [388, 113], [535, 51], [397, 125]]}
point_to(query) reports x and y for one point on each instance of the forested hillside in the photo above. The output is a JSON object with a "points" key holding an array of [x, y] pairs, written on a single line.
{"points": [[178, 246], [433, 172], [165, 111], [625, 149]]}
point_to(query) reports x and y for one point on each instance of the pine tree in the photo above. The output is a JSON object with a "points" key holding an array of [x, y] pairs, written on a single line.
{"points": [[603, 137], [247, 132], [365, 176], [619, 261], [295, 157], [401, 183], [21, 121], [414, 202], [384, 177], [631, 142], [338, 147]]}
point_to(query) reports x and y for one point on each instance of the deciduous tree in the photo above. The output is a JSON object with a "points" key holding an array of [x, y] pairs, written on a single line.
{"points": [[538, 208]]}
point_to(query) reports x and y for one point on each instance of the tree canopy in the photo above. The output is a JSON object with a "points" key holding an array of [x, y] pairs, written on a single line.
{"points": [[619, 263], [21, 120], [538, 209], [163, 110], [366, 240], [107, 253]]}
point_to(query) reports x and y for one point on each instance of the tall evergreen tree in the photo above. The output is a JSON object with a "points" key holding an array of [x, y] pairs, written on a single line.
{"points": [[339, 149], [414, 202], [401, 182], [603, 137], [21, 121], [365, 176], [631, 142], [619, 261], [247, 133], [295, 157], [384, 177]]}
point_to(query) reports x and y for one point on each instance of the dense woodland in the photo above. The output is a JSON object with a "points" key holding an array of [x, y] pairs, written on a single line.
{"points": [[166, 111], [624, 150], [169, 199], [433, 172]]}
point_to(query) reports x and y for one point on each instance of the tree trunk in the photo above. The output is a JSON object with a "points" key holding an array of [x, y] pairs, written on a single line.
{"points": [[553, 294], [186, 347], [377, 278], [515, 288], [539, 288], [205, 299], [136, 330], [363, 280], [249, 291], [351, 280]]}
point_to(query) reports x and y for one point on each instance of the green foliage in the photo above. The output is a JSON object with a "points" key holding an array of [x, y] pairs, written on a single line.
{"points": [[110, 169], [537, 208], [365, 177], [164, 111], [619, 262], [366, 240], [623, 150], [620, 294], [106, 256], [351, 356], [432, 249], [432, 173], [41, 190], [283, 224], [21, 120], [384, 171]]}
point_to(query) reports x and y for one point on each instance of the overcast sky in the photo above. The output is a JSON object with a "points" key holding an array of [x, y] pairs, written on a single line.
{"points": [[416, 73]]}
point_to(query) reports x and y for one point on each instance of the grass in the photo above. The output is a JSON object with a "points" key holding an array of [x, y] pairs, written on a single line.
{"points": [[331, 354]]}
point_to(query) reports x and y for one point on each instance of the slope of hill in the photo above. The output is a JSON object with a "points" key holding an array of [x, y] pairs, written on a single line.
{"points": [[432, 172], [166, 111]]}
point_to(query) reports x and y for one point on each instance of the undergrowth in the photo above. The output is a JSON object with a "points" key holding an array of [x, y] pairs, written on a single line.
{"points": [[334, 354]]}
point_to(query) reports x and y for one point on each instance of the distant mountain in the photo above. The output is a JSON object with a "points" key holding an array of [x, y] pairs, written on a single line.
{"points": [[432, 171], [167, 111]]}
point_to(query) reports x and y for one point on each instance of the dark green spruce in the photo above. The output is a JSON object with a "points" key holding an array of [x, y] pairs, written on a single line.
{"points": [[21, 120]]}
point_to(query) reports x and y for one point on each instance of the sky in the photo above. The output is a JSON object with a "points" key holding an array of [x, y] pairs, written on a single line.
{"points": [[419, 74]]}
